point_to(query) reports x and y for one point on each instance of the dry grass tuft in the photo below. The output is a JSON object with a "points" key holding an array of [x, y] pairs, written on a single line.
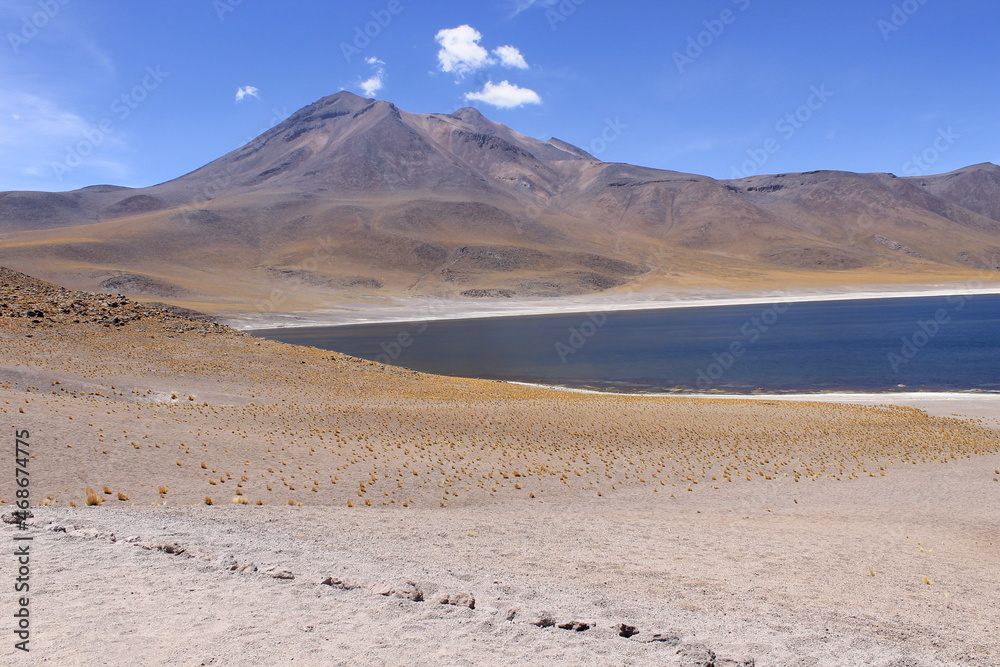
{"points": [[93, 499]]}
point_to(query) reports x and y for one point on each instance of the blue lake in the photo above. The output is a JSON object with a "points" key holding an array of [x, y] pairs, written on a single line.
{"points": [[911, 344]]}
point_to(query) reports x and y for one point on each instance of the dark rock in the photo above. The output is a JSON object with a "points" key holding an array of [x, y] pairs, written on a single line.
{"points": [[342, 584], [575, 626]]}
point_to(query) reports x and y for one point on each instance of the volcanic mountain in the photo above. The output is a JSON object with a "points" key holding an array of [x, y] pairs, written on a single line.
{"points": [[354, 199]]}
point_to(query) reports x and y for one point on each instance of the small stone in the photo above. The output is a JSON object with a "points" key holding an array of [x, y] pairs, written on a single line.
{"points": [[342, 584], [227, 562], [575, 626], [662, 638], [404, 589], [17, 516], [696, 655], [543, 620], [174, 549], [457, 599]]}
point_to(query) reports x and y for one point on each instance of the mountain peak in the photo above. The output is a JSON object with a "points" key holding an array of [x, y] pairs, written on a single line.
{"points": [[468, 114], [346, 96]]}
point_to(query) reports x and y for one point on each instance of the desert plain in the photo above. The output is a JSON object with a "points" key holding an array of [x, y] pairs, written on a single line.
{"points": [[203, 497]]}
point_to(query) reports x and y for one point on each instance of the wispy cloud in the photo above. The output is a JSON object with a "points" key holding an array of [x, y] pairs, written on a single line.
{"points": [[37, 132], [504, 95], [25, 118], [518, 6], [376, 81], [247, 91]]}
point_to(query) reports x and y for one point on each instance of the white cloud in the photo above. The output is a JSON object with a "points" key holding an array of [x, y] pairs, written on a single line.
{"points": [[460, 51], [510, 57], [505, 95], [247, 91], [376, 81]]}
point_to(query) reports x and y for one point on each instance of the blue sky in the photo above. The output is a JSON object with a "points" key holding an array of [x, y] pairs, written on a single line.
{"points": [[95, 91]]}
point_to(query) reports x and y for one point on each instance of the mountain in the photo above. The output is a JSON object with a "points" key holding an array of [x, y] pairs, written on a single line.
{"points": [[354, 199]]}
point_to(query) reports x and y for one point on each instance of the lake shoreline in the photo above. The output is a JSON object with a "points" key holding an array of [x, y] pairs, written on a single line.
{"points": [[431, 310], [971, 404]]}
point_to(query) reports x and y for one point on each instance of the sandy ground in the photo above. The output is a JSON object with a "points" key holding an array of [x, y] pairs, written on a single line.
{"points": [[710, 531], [747, 573]]}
